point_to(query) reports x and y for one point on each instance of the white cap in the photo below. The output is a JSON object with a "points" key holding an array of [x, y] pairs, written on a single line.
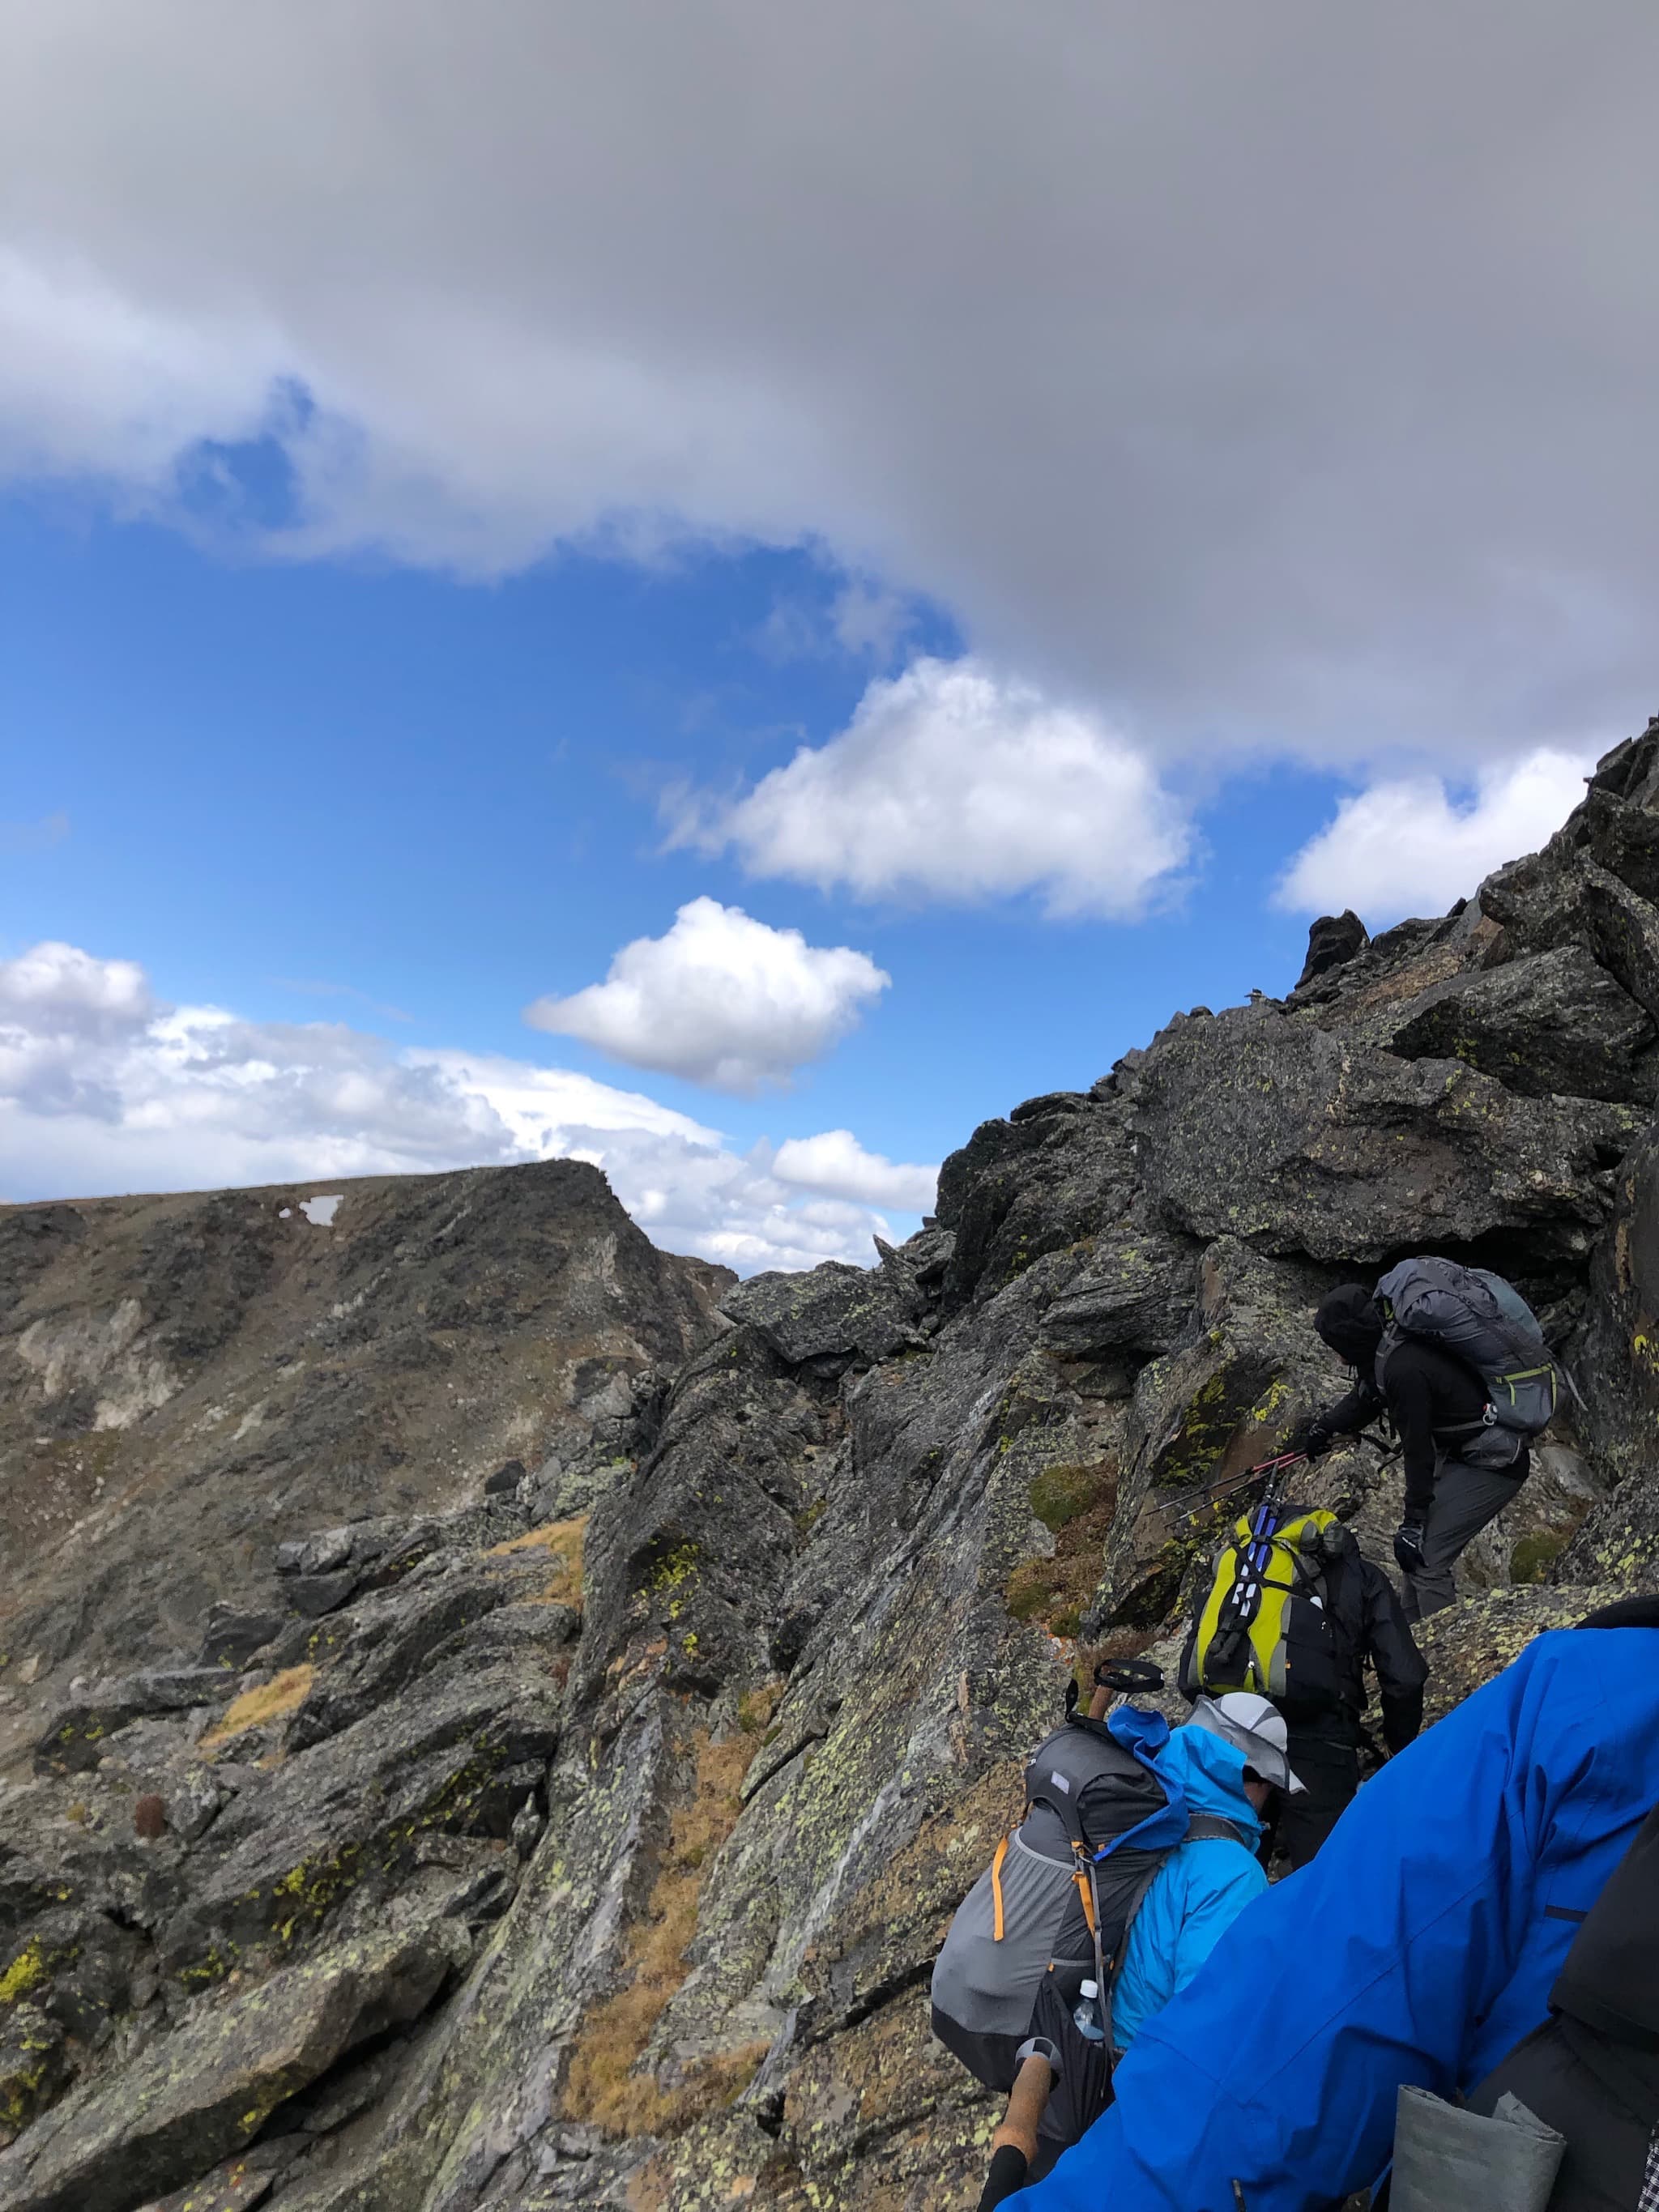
{"points": [[1255, 1724]]}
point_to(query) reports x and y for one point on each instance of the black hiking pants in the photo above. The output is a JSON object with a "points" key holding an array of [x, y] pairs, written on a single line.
{"points": [[1465, 1499], [1330, 1770]]}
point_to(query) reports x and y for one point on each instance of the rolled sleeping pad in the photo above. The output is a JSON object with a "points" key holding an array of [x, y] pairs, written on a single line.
{"points": [[1447, 2159]]}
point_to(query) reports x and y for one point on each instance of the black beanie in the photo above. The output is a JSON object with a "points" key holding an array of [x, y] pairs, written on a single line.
{"points": [[1350, 1323]]}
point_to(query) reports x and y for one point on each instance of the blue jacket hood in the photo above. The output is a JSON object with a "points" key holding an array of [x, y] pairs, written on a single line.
{"points": [[1212, 1772]]}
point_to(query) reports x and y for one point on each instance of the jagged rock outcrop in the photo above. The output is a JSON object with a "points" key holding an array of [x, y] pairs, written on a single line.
{"points": [[670, 1765]]}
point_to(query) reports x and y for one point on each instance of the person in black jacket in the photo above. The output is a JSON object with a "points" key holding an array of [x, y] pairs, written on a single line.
{"points": [[1434, 1399], [1324, 1743], [1323, 1737]]}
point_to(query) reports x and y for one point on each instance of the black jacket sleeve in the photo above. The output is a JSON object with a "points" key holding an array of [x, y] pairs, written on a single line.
{"points": [[1411, 1403], [1363, 1403], [1401, 1670]]}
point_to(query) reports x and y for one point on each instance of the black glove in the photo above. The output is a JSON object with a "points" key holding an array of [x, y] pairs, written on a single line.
{"points": [[1008, 2175], [1408, 1547], [1312, 1438]]}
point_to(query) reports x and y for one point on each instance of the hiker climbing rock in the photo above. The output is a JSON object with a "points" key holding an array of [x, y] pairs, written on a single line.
{"points": [[1295, 1612], [1455, 1358], [1421, 1947], [1136, 1854]]}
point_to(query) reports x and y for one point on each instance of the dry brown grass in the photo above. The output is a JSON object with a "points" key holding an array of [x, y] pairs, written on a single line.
{"points": [[602, 2086], [563, 1541], [284, 1694]]}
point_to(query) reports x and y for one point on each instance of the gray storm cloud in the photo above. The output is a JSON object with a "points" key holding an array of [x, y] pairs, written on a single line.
{"points": [[1276, 376]]}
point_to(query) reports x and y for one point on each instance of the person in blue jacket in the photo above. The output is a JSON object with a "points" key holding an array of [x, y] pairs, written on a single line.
{"points": [[1420, 1946], [1205, 1884]]}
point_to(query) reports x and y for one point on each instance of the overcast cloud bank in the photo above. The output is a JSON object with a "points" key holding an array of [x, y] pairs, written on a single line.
{"points": [[1284, 391]]}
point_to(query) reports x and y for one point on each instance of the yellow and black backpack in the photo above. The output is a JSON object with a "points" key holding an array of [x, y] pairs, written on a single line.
{"points": [[1263, 1624]]}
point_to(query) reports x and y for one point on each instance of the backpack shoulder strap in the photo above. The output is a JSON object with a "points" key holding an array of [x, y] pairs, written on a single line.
{"points": [[1057, 1781], [1210, 1828]]}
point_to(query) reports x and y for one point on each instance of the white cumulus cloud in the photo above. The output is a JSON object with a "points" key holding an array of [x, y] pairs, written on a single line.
{"points": [[720, 999], [1406, 847], [955, 783], [63, 992], [103, 1088], [836, 1161]]}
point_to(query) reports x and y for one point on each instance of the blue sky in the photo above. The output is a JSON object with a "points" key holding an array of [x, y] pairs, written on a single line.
{"points": [[418, 585]]}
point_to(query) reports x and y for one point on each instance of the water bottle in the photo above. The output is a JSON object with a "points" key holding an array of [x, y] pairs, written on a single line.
{"points": [[1087, 2018]]}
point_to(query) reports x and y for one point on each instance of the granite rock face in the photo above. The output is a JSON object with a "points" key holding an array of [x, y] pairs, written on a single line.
{"points": [[583, 1833]]}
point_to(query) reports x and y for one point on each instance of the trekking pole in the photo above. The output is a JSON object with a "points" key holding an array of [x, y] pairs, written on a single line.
{"points": [[1014, 2145], [1238, 2196], [1217, 1493]]}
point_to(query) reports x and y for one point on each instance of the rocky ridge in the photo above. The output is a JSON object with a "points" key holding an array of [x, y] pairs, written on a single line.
{"points": [[584, 1835]]}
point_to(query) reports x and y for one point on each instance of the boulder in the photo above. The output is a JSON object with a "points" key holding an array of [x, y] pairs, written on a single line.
{"points": [[396, 1635], [1017, 1191], [1332, 941], [1278, 1132], [1621, 814], [203, 2091], [1224, 1397], [33, 2066], [1470, 1641], [1135, 1293], [234, 1633], [325, 1553], [314, 1596], [236, 2186], [1553, 1022], [1617, 1363], [77, 1735], [834, 1313], [193, 1803]]}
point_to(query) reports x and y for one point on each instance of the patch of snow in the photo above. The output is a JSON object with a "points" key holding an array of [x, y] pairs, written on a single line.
{"points": [[320, 1211]]}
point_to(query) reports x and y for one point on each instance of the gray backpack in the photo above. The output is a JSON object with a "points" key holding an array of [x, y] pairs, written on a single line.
{"points": [[1064, 1887], [1486, 1323]]}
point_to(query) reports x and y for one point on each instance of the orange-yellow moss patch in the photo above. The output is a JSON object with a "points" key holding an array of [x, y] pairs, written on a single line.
{"points": [[282, 1694], [562, 1542]]}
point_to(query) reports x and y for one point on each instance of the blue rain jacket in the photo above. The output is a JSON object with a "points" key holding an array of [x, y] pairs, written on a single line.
{"points": [[1199, 1891], [1420, 1946]]}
